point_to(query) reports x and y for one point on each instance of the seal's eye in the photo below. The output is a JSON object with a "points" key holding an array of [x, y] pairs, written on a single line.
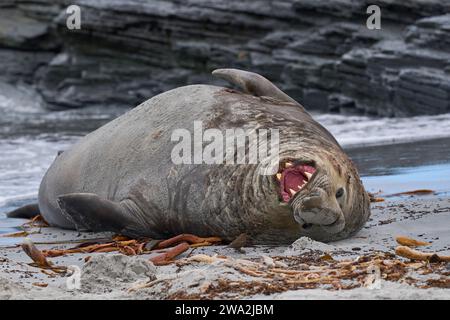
{"points": [[339, 193]]}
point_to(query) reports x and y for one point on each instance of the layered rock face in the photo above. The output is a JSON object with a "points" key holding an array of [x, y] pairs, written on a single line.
{"points": [[319, 52]]}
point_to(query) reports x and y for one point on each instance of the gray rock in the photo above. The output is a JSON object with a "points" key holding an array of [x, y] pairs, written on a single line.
{"points": [[319, 52], [339, 103], [9, 290], [17, 30], [21, 66], [306, 245], [425, 91], [431, 32], [105, 272]]}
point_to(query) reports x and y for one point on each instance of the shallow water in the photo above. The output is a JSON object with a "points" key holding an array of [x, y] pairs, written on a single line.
{"points": [[30, 138], [435, 178], [405, 166]]}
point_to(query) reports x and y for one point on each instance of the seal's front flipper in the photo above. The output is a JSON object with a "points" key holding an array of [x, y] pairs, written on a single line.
{"points": [[26, 212], [253, 84], [87, 211]]}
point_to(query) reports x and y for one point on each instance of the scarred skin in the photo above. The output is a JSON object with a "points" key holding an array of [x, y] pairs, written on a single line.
{"points": [[121, 177]]}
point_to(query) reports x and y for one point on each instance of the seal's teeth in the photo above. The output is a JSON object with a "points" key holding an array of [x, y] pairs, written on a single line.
{"points": [[299, 187], [308, 175], [279, 176], [288, 164], [292, 192]]}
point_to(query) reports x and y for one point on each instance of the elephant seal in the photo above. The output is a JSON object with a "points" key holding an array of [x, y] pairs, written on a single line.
{"points": [[122, 177]]}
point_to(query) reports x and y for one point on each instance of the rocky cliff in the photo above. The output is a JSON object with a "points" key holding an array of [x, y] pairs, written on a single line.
{"points": [[319, 52]]}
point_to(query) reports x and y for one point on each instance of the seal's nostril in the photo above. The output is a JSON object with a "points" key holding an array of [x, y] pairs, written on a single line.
{"points": [[312, 202], [307, 225]]}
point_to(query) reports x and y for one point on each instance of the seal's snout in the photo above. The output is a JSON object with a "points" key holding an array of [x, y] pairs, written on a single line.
{"points": [[315, 209], [317, 221]]}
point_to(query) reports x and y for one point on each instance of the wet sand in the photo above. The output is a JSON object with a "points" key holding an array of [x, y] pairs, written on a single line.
{"points": [[111, 275]]}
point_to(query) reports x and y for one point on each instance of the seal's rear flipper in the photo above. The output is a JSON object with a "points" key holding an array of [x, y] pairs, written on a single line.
{"points": [[26, 212], [253, 83], [88, 211]]}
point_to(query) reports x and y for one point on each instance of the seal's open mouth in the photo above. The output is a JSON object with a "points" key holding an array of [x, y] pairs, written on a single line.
{"points": [[292, 177]]}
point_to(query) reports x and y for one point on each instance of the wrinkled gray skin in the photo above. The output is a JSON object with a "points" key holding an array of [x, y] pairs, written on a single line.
{"points": [[121, 178]]}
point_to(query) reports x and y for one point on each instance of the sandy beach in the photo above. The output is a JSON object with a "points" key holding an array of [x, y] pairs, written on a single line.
{"points": [[220, 272]]}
